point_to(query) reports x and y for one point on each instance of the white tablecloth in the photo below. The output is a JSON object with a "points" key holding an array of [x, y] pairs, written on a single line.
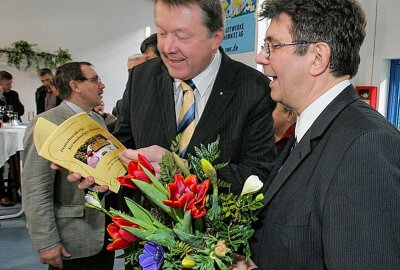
{"points": [[11, 141]]}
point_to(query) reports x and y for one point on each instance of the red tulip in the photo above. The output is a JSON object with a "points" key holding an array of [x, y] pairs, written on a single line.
{"points": [[186, 193], [122, 238], [197, 206], [135, 171]]}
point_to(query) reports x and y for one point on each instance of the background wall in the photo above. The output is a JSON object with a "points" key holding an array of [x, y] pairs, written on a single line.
{"points": [[107, 32], [102, 32], [380, 46]]}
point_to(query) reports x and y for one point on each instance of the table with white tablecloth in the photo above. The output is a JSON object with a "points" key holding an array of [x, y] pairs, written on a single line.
{"points": [[11, 143]]}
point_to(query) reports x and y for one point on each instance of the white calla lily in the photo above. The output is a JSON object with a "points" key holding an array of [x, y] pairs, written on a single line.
{"points": [[92, 202], [252, 185]]}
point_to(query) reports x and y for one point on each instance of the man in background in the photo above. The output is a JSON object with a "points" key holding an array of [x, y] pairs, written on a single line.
{"points": [[134, 60], [47, 96], [109, 119], [11, 96], [284, 125], [149, 47], [4, 200], [64, 232], [148, 50]]}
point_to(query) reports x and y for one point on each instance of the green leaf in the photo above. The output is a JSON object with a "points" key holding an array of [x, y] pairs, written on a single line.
{"points": [[138, 211], [137, 221], [192, 240], [180, 164], [186, 226], [164, 237], [157, 184], [139, 233], [155, 196]]}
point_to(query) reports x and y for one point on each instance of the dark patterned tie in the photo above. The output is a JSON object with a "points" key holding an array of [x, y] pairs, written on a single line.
{"points": [[186, 124]]}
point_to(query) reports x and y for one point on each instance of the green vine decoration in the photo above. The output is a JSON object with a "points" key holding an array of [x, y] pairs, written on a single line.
{"points": [[23, 50]]}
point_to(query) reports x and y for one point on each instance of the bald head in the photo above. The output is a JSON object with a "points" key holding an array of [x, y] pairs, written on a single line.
{"points": [[135, 60]]}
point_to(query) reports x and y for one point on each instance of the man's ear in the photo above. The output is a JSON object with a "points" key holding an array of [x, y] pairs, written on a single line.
{"points": [[74, 86], [322, 55], [218, 38], [291, 117]]}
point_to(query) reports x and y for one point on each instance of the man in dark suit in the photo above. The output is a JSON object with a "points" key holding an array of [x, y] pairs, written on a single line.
{"points": [[231, 99], [11, 97], [334, 202]]}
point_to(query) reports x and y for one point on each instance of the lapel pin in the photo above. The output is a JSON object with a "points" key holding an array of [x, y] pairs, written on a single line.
{"points": [[221, 93]]}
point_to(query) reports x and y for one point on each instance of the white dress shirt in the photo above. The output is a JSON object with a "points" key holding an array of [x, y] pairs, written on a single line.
{"points": [[204, 83], [311, 113]]}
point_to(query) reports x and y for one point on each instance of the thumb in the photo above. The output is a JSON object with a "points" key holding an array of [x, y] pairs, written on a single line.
{"points": [[65, 253]]}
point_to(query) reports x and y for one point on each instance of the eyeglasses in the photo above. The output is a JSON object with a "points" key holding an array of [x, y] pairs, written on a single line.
{"points": [[95, 79], [269, 46]]}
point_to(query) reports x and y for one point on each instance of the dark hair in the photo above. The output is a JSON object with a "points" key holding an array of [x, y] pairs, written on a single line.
{"points": [[66, 73], [150, 43], [339, 23], [45, 71], [4, 75], [213, 16]]}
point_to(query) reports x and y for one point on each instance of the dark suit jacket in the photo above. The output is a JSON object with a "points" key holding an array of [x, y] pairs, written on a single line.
{"points": [[12, 98], [239, 109], [40, 96], [334, 204]]}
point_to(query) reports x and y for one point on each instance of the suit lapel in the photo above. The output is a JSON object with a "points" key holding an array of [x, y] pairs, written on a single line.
{"points": [[303, 148], [165, 93], [221, 94]]}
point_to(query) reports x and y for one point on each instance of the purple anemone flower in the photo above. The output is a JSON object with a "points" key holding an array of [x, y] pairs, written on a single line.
{"points": [[152, 256]]}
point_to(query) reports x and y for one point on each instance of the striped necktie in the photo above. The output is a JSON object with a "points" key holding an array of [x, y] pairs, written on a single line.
{"points": [[186, 124]]}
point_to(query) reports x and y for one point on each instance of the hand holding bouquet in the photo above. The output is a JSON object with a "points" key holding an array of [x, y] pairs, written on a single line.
{"points": [[186, 223]]}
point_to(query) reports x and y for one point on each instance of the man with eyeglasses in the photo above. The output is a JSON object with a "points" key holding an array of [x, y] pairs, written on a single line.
{"points": [[333, 201], [63, 231]]}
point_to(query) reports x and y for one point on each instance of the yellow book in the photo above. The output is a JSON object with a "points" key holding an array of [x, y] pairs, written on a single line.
{"points": [[80, 144]]}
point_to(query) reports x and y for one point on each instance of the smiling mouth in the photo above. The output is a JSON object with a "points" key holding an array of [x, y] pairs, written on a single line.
{"points": [[176, 61]]}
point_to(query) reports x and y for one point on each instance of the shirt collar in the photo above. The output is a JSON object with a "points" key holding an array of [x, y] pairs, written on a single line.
{"points": [[76, 108], [311, 113]]}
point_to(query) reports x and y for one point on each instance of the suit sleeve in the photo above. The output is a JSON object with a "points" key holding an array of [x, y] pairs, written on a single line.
{"points": [[20, 107], [256, 153], [361, 217], [122, 130], [38, 193]]}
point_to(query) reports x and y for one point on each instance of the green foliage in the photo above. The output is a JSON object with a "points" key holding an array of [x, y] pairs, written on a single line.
{"points": [[210, 153], [168, 165], [208, 241], [22, 50], [182, 249], [238, 208]]}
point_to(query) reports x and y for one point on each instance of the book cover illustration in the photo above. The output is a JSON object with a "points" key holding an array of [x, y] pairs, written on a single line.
{"points": [[80, 144]]}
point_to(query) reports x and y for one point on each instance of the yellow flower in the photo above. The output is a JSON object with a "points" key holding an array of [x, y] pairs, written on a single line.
{"points": [[252, 185], [221, 249], [188, 262], [208, 168]]}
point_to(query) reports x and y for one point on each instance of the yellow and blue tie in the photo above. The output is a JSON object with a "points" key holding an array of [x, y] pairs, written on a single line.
{"points": [[186, 124]]}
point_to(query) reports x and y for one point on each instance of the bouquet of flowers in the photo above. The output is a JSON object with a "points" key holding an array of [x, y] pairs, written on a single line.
{"points": [[182, 224]]}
